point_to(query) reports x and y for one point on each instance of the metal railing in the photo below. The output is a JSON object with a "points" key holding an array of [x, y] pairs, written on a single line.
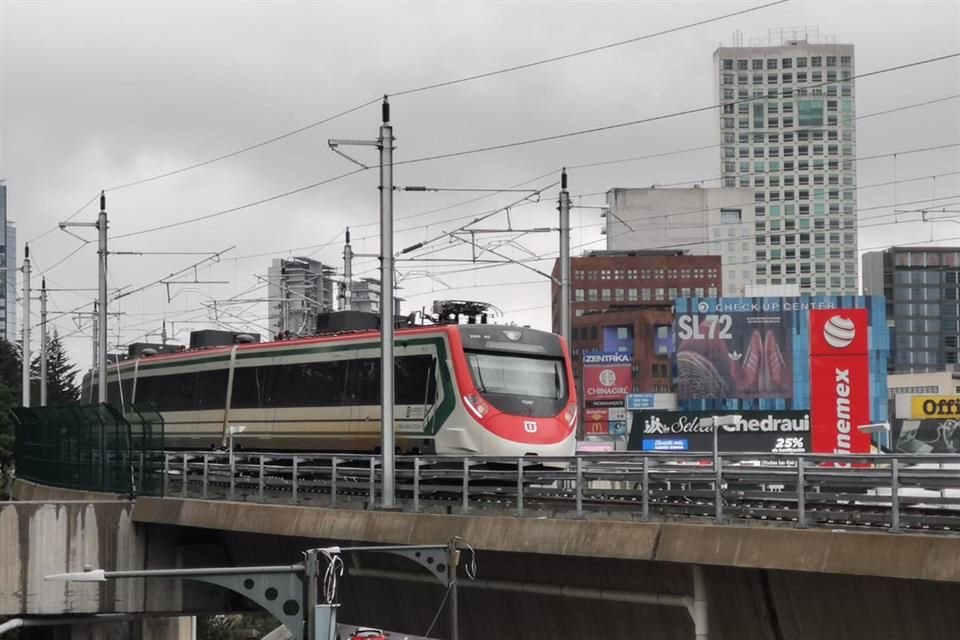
{"points": [[894, 492]]}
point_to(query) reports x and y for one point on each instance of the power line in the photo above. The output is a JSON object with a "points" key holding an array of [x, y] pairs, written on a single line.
{"points": [[583, 52], [241, 207], [657, 118]]}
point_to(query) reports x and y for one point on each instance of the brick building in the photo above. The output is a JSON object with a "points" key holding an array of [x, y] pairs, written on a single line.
{"points": [[622, 301]]}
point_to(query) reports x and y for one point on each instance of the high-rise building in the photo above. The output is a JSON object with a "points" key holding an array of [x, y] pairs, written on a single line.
{"points": [[10, 285], [298, 289], [922, 289], [717, 222], [8, 293], [787, 133], [365, 296]]}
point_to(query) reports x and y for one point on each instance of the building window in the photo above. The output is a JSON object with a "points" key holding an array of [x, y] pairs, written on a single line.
{"points": [[579, 295]]}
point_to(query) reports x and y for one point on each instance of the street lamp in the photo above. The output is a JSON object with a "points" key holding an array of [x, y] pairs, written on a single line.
{"points": [[874, 428]]}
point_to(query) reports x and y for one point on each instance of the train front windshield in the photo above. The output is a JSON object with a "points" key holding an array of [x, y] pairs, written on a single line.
{"points": [[518, 375]]}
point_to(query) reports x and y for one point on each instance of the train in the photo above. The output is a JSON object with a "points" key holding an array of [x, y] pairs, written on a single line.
{"points": [[473, 389]]}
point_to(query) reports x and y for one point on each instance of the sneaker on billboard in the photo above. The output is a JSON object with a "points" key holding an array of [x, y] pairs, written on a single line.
{"points": [[774, 362], [751, 368]]}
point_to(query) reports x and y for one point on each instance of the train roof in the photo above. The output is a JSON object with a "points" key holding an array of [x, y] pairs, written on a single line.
{"points": [[343, 336]]}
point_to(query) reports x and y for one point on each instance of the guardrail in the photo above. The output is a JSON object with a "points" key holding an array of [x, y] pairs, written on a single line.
{"points": [[890, 491]]}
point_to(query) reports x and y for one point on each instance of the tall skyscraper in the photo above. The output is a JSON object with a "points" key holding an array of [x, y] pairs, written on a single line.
{"points": [[10, 285], [787, 132], [8, 293]]}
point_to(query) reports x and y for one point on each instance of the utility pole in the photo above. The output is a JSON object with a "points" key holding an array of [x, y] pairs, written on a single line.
{"points": [[43, 342], [564, 259], [96, 333], [100, 349], [102, 326], [386, 301], [25, 381], [347, 272], [385, 144]]}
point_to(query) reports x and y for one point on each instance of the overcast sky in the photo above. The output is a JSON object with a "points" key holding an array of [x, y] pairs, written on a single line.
{"points": [[96, 95]]}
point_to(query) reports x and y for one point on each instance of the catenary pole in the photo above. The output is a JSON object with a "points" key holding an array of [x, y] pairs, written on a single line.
{"points": [[564, 259], [25, 381], [43, 342], [385, 143], [102, 325], [347, 273]]}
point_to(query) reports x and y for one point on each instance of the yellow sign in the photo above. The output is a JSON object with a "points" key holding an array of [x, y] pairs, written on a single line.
{"points": [[927, 407]]}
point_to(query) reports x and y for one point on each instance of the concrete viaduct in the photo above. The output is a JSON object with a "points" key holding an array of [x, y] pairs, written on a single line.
{"points": [[538, 577]]}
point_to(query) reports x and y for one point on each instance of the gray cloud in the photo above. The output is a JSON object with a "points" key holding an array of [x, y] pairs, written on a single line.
{"points": [[99, 94]]}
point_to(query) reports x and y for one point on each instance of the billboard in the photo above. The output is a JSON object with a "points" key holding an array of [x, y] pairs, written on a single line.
{"points": [[926, 436], [606, 376], [756, 431], [737, 353], [928, 407], [840, 379], [703, 378]]}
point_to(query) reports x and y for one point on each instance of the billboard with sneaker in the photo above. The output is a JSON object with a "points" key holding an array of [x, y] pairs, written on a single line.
{"points": [[734, 354], [743, 354]]}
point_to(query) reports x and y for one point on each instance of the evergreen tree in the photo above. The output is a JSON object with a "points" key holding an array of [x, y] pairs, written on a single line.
{"points": [[62, 386], [10, 378]]}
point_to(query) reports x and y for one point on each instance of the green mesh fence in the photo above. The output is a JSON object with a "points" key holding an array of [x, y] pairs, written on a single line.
{"points": [[91, 447]]}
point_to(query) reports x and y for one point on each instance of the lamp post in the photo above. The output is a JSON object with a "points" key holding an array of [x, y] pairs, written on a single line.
{"points": [[231, 430]]}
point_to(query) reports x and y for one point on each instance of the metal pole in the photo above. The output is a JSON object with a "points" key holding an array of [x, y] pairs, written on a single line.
{"points": [[564, 259], [519, 486], [102, 326], [718, 473], [96, 348], [452, 562], [645, 489], [347, 272], [385, 142], [465, 487], [416, 485], [700, 613], [579, 488], [43, 342], [801, 494], [26, 327], [894, 495]]}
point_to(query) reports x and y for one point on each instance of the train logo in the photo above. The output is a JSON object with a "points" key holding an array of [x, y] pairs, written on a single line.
{"points": [[529, 426], [839, 332]]}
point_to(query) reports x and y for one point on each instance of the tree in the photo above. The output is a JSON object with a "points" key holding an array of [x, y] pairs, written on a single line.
{"points": [[62, 386], [235, 627], [10, 378]]}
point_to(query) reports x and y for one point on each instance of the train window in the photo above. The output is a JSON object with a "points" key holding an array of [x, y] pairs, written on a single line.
{"points": [[307, 384], [168, 393], [415, 382], [249, 386], [211, 389]]}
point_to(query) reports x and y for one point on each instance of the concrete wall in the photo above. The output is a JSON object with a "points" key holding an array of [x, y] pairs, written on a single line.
{"points": [[39, 538], [913, 556]]}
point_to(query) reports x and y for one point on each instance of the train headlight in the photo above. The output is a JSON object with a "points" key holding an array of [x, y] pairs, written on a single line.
{"points": [[476, 404], [570, 414]]}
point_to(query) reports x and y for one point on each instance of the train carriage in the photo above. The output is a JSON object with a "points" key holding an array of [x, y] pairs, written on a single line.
{"points": [[459, 390]]}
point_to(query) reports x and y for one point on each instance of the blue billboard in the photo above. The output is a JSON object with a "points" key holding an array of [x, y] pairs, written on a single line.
{"points": [[754, 353]]}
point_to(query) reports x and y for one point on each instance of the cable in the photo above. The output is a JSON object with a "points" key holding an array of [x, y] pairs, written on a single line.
{"points": [[71, 217], [582, 52], [245, 149], [238, 208], [439, 611], [665, 116]]}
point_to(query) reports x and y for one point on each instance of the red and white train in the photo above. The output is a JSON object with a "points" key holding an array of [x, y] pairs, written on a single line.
{"points": [[472, 389]]}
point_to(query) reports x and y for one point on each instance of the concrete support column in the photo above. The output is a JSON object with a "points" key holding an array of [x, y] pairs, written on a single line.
{"points": [[699, 613]]}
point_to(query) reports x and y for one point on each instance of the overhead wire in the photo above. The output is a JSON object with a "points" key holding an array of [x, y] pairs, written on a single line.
{"points": [[659, 117]]}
